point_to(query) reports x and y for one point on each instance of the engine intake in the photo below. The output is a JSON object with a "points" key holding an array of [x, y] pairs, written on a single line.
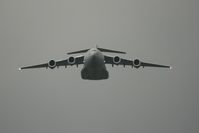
{"points": [[51, 64], [116, 59], [71, 60], [136, 63]]}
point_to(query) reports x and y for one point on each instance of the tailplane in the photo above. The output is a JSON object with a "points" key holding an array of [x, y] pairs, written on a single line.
{"points": [[111, 51], [80, 51], [100, 49]]}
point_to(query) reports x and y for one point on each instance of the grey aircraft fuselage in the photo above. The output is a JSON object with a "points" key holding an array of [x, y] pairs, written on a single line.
{"points": [[94, 66]]}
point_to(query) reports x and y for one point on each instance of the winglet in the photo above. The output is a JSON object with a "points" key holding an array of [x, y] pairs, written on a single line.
{"points": [[170, 67]]}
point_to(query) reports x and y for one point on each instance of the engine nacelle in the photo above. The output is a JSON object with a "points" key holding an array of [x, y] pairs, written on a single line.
{"points": [[136, 63], [71, 60], [116, 60], [52, 64]]}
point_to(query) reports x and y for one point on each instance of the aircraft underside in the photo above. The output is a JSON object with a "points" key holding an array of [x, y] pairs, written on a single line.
{"points": [[99, 74]]}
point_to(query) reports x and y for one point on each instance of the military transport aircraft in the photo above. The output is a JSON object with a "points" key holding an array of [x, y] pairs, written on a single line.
{"points": [[94, 63]]}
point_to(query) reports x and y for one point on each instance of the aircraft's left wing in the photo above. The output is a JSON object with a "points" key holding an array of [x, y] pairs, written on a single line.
{"points": [[52, 64], [134, 63]]}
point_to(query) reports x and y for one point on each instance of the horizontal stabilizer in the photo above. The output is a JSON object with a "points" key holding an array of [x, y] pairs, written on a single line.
{"points": [[111, 51], [100, 49], [80, 51]]}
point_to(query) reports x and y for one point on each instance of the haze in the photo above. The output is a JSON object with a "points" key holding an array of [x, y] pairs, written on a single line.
{"points": [[149, 100]]}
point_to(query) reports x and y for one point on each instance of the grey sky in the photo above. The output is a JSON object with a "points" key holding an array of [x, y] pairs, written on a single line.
{"points": [[149, 100]]}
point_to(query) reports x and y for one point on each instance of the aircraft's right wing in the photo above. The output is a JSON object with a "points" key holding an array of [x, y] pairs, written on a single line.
{"points": [[136, 63], [52, 64]]}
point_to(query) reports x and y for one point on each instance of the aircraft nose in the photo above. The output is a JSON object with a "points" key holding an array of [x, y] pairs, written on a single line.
{"points": [[94, 55]]}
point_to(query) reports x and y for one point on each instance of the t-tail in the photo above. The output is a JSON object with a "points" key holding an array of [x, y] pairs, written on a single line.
{"points": [[100, 49]]}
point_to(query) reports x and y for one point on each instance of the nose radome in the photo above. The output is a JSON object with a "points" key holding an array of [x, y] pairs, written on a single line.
{"points": [[93, 53]]}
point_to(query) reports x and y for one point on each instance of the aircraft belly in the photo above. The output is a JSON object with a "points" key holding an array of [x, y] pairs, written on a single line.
{"points": [[94, 74]]}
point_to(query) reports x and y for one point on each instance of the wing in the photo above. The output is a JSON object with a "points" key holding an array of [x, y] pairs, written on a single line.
{"points": [[136, 63], [52, 64], [110, 60], [144, 64]]}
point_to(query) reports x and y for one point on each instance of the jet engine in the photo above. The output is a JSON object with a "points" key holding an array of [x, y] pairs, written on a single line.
{"points": [[116, 59], [51, 64], [71, 60], [136, 63]]}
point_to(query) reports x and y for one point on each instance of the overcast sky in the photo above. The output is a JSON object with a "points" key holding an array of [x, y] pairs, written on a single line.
{"points": [[149, 100]]}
